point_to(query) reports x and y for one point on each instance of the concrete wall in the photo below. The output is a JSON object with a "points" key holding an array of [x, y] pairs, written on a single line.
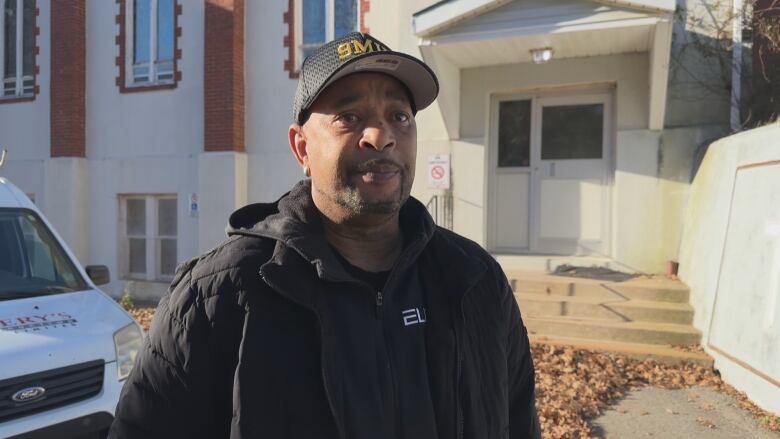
{"points": [[730, 258], [269, 100], [144, 142]]}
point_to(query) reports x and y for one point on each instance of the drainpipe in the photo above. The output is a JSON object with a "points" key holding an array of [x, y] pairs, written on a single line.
{"points": [[736, 66]]}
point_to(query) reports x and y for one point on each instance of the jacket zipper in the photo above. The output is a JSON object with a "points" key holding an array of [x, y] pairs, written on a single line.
{"points": [[331, 405], [379, 300], [460, 422], [458, 407]]}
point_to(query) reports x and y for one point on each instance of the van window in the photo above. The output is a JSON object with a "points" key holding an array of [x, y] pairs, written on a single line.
{"points": [[32, 262]]}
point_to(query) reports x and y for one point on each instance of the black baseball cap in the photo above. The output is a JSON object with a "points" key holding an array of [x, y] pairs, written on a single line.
{"points": [[360, 52]]}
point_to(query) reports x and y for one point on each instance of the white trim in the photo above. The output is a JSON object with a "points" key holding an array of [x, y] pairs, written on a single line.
{"points": [[330, 19], [530, 31], [660, 54], [648, 5], [444, 15], [153, 42]]}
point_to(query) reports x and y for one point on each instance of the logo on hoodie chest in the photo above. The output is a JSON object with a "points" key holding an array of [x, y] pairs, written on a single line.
{"points": [[414, 316]]}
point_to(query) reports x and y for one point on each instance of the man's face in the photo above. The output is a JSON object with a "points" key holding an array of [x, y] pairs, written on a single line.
{"points": [[360, 143]]}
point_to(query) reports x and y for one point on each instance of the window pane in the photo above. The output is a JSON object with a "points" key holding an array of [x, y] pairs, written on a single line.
{"points": [[141, 73], [165, 70], [9, 51], [137, 255], [167, 256], [31, 260], [345, 17], [141, 21], [166, 217], [28, 38], [514, 133], [136, 217], [313, 21], [41, 262], [572, 132], [165, 18]]}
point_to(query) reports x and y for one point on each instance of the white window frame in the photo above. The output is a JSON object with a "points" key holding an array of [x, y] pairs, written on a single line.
{"points": [[330, 27], [153, 78], [19, 90], [152, 237]]}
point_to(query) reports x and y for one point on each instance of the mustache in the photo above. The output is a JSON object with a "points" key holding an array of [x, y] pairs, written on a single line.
{"points": [[376, 163]]}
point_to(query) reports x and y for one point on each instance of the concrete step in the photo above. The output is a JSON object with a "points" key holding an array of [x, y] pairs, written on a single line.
{"points": [[605, 330], [661, 353], [617, 310], [644, 289], [548, 263]]}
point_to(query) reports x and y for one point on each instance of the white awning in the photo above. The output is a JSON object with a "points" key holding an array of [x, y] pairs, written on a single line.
{"points": [[459, 34]]}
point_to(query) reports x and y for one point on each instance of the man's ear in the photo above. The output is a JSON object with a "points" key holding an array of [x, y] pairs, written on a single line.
{"points": [[298, 144]]}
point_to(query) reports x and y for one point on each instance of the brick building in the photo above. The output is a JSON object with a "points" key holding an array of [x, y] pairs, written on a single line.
{"points": [[139, 125]]}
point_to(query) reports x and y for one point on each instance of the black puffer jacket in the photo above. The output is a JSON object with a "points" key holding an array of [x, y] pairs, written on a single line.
{"points": [[240, 346]]}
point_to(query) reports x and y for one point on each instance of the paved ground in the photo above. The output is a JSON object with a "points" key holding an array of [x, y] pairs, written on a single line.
{"points": [[692, 413]]}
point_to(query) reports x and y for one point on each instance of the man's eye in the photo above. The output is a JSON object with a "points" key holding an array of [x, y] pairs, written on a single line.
{"points": [[348, 118], [401, 117]]}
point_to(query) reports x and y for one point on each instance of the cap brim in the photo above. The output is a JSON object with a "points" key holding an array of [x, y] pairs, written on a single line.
{"points": [[413, 73]]}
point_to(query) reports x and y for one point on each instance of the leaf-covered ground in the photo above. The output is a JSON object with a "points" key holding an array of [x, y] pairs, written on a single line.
{"points": [[575, 385]]}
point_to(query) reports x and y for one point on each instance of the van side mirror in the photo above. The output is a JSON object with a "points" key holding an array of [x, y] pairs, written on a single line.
{"points": [[98, 273]]}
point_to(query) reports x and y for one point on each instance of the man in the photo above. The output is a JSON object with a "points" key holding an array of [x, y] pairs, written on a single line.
{"points": [[341, 310]]}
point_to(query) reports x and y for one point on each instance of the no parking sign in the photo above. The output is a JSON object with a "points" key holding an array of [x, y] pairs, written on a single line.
{"points": [[439, 171]]}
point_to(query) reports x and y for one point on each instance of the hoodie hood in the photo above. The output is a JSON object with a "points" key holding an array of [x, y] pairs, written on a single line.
{"points": [[295, 221]]}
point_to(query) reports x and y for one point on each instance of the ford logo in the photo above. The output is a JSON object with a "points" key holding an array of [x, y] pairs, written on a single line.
{"points": [[28, 394]]}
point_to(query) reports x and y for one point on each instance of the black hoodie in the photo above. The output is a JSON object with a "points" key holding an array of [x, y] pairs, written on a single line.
{"points": [[268, 335]]}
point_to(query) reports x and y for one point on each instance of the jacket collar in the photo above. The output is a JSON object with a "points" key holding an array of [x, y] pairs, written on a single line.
{"points": [[295, 222]]}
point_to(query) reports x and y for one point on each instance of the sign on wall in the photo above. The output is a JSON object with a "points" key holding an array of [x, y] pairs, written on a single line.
{"points": [[439, 171], [194, 205]]}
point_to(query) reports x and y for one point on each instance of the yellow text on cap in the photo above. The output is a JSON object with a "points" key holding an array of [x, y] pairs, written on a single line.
{"points": [[355, 47]]}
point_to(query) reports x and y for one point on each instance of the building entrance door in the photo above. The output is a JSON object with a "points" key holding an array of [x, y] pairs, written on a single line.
{"points": [[552, 175]]}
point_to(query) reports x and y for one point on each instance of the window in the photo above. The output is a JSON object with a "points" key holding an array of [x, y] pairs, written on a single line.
{"points": [[150, 42], [573, 132], [514, 134], [323, 20], [32, 263], [148, 228], [17, 48]]}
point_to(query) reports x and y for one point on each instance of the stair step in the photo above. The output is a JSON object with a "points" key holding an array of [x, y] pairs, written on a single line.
{"points": [[604, 330], [620, 310], [636, 289], [661, 353]]}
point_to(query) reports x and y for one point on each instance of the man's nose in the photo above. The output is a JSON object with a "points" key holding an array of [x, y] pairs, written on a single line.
{"points": [[377, 135]]}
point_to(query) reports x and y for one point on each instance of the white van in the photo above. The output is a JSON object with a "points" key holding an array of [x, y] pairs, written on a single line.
{"points": [[65, 346]]}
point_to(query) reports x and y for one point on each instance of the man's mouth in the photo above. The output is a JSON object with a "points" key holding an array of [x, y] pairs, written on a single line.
{"points": [[378, 173]]}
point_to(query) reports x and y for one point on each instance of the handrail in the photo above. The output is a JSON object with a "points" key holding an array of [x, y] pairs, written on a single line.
{"points": [[440, 208]]}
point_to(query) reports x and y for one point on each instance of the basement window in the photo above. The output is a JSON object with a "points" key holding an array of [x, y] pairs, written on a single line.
{"points": [[148, 237]]}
